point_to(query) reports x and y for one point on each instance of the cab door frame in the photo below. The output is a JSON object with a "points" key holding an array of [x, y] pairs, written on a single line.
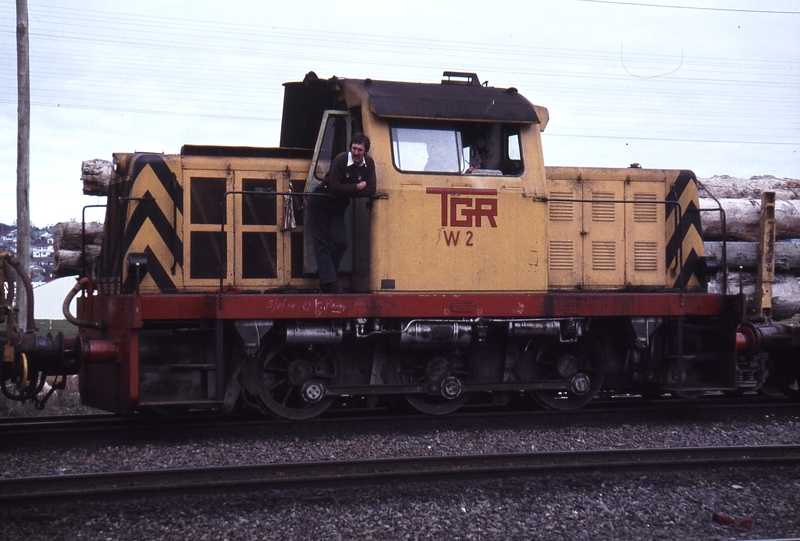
{"points": [[324, 152]]}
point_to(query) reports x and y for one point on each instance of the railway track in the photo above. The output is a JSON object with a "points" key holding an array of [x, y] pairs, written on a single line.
{"points": [[108, 423], [315, 474]]}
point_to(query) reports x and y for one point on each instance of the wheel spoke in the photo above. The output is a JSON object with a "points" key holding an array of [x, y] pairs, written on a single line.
{"points": [[550, 374], [286, 396], [278, 384], [286, 369]]}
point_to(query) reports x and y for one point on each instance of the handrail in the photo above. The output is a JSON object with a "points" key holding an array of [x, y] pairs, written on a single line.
{"points": [[83, 235]]}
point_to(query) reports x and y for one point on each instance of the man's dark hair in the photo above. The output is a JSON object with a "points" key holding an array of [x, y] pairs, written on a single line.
{"points": [[361, 139]]}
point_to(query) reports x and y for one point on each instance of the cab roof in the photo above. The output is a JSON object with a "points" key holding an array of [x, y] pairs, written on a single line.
{"points": [[447, 101], [459, 97]]}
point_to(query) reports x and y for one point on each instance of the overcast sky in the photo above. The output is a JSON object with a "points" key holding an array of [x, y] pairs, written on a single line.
{"points": [[712, 86]]}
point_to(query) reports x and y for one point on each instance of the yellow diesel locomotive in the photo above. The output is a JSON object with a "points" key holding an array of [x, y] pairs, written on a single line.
{"points": [[474, 274]]}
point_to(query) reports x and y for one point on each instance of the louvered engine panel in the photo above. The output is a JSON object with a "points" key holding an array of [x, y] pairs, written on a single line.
{"points": [[645, 262], [565, 253], [604, 237]]}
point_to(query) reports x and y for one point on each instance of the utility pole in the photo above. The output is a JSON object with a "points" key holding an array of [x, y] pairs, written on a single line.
{"points": [[23, 160]]}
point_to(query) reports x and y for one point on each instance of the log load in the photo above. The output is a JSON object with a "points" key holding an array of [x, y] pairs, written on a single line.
{"points": [[96, 176], [68, 240], [745, 255], [742, 219], [741, 201], [727, 187], [785, 292], [70, 262]]}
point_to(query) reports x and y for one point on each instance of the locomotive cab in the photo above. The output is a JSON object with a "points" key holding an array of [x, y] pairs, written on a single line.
{"points": [[457, 167]]}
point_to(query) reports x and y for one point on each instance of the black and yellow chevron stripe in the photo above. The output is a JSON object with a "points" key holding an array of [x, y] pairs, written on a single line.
{"points": [[688, 236], [153, 223]]}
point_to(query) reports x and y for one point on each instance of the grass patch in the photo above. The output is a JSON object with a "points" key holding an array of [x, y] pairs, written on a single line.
{"points": [[55, 326], [64, 402]]}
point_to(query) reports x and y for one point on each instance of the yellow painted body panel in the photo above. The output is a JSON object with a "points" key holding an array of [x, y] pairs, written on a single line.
{"points": [[645, 242], [617, 235], [234, 172], [284, 173], [422, 250], [554, 228], [454, 233], [147, 236]]}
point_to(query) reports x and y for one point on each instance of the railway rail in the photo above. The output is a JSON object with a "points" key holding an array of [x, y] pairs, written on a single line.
{"points": [[70, 425], [286, 475]]}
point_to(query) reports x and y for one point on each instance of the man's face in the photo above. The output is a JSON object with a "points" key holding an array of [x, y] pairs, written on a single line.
{"points": [[357, 150]]}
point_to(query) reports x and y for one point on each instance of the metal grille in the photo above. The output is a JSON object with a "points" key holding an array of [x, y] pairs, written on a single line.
{"points": [[644, 212], [562, 211], [604, 255], [645, 256], [562, 255], [603, 212]]}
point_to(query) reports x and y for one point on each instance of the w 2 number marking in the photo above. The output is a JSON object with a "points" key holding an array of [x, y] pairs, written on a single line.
{"points": [[451, 237], [468, 211]]}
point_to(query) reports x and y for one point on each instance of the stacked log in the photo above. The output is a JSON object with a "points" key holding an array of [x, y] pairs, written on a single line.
{"points": [[96, 176], [741, 201], [71, 242], [785, 292], [745, 255], [742, 218], [727, 187]]}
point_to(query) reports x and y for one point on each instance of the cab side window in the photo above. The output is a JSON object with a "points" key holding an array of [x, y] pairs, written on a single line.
{"points": [[455, 148], [430, 150]]}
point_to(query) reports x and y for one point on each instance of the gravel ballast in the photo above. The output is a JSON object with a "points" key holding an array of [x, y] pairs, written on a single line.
{"points": [[751, 502], [159, 448], [633, 505]]}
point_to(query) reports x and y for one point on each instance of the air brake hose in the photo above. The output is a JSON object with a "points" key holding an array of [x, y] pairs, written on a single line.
{"points": [[79, 286]]}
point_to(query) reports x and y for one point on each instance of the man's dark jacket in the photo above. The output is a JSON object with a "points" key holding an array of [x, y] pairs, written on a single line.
{"points": [[341, 181]]}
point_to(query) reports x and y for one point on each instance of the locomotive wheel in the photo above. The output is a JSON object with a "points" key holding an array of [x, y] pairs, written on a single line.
{"points": [[791, 388], [688, 394], [291, 380], [441, 372], [163, 411], [769, 389], [784, 375], [581, 362]]}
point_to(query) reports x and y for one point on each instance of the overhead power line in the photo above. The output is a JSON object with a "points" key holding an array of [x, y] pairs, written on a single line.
{"points": [[681, 140], [699, 8]]}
